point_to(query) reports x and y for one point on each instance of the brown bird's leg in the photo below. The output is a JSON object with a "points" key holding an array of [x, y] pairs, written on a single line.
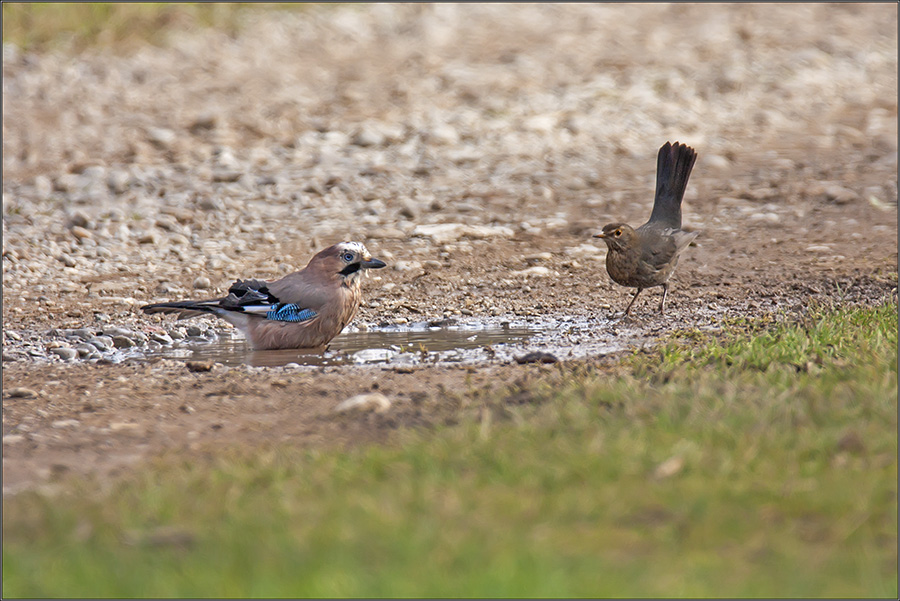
{"points": [[628, 308], [662, 303]]}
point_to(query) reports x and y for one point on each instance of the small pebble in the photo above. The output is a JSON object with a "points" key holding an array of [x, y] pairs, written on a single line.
{"points": [[118, 181], [102, 343], [840, 195], [81, 233], [536, 357], [66, 260], [161, 137], [767, 217], [160, 338], [372, 355], [116, 331], [122, 426], [368, 136], [85, 350], [65, 353], [21, 393], [211, 204], [82, 220], [122, 342], [199, 366], [537, 271], [371, 401], [226, 176]]}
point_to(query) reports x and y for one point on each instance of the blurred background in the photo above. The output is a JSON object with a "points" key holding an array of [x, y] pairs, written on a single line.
{"points": [[159, 151]]}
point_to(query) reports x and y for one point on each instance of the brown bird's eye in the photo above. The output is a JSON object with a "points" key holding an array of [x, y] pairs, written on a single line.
{"points": [[618, 233]]}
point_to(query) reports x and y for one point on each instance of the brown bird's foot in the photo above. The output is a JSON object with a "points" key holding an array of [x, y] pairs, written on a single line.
{"points": [[631, 304], [662, 303], [623, 318]]}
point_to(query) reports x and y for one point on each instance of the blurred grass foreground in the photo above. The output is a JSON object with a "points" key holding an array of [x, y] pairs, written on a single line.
{"points": [[42, 26], [760, 463]]}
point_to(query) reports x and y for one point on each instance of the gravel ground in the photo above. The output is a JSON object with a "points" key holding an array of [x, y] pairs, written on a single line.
{"points": [[475, 148]]}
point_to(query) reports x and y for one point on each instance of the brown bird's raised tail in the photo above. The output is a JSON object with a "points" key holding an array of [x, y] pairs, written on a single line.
{"points": [[646, 257], [673, 168]]}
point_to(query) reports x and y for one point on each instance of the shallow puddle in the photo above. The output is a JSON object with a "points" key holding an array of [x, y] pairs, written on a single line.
{"points": [[550, 338], [395, 346]]}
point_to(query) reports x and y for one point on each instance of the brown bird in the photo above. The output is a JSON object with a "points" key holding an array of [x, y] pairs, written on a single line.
{"points": [[646, 257], [304, 309]]}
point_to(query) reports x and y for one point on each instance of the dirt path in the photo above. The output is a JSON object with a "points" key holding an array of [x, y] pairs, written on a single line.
{"points": [[169, 173]]}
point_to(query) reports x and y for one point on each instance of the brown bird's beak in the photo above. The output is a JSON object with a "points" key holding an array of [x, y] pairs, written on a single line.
{"points": [[600, 235], [373, 264]]}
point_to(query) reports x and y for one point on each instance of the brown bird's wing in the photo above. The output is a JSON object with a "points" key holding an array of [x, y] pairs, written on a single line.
{"points": [[658, 249]]}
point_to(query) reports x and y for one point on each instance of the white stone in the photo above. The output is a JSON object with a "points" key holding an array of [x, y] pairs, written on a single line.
{"points": [[441, 233], [538, 271], [371, 401], [373, 355]]}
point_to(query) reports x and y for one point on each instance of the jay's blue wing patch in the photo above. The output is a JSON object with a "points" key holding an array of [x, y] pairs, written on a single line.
{"points": [[251, 297], [254, 297], [289, 312]]}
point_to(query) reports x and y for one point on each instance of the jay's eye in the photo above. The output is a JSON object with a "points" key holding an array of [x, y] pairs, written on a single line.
{"points": [[347, 257]]}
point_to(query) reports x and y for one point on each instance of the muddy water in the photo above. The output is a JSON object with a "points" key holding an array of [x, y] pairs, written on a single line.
{"points": [[423, 343], [396, 346]]}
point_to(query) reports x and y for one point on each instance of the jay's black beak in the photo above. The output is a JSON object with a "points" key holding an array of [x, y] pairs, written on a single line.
{"points": [[373, 264]]}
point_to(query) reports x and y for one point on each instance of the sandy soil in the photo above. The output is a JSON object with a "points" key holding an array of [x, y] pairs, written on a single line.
{"points": [[170, 172]]}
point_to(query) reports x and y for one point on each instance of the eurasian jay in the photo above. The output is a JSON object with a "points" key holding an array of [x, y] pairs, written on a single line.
{"points": [[304, 309]]}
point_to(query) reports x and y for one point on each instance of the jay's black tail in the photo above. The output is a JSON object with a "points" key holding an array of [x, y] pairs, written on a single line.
{"points": [[251, 296], [184, 309], [673, 168]]}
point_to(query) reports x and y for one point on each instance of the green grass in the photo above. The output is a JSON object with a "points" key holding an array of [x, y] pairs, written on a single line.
{"points": [[761, 462], [41, 26]]}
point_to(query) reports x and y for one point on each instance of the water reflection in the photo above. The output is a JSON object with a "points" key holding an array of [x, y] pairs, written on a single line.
{"points": [[409, 346]]}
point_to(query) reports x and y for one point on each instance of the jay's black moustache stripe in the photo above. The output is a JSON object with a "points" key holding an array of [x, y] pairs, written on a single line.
{"points": [[352, 268]]}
